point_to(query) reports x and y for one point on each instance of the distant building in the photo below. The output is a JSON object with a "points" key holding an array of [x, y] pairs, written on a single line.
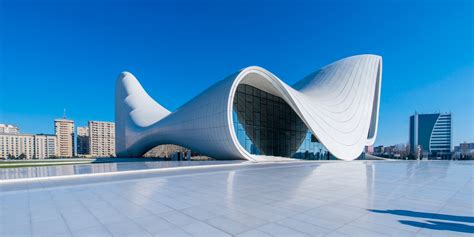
{"points": [[64, 129], [432, 134], [27, 146], [369, 149], [379, 150], [464, 151], [44, 146], [466, 146], [16, 145], [397, 151], [101, 138], [389, 150], [401, 150], [83, 141], [9, 129]]}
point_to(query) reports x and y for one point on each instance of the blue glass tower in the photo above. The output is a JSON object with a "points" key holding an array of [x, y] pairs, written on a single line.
{"points": [[431, 134]]}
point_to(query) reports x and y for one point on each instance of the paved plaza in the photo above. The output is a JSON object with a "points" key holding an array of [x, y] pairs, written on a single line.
{"points": [[298, 198]]}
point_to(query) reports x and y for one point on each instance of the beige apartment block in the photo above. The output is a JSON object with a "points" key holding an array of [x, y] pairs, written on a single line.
{"points": [[64, 129], [14, 145], [101, 138], [27, 146], [45, 146]]}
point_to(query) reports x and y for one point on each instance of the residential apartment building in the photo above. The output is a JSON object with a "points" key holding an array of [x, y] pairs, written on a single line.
{"points": [[27, 146], [64, 130], [44, 146], [101, 138], [83, 140]]}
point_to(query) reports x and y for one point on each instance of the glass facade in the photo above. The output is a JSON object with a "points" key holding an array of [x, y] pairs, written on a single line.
{"points": [[432, 133], [266, 125]]}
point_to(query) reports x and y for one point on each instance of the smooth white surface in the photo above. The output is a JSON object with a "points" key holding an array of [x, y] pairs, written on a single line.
{"points": [[338, 103], [360, 198]]}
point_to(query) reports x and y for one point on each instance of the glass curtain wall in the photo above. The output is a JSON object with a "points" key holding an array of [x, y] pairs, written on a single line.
{"points": [[266, 125]]}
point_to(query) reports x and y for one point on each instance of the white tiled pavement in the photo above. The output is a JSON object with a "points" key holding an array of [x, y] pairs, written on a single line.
{"points": [[360, 198]]}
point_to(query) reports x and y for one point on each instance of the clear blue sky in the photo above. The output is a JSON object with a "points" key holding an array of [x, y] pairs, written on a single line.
{"points": [[67, 54]]}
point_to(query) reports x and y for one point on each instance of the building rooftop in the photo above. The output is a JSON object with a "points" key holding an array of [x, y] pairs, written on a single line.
{"points": [[26, 134], [7, 125], [64, 120], [358, 198]]}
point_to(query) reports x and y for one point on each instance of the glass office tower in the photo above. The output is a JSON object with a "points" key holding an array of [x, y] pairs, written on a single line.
{"points": [[431, 134]]}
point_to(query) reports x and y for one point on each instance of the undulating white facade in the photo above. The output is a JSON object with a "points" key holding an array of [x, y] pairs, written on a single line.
{"points": [[338, 105]]}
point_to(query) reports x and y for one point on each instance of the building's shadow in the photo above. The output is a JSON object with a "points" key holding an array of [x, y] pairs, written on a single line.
{"points": [[463, 227], [440, 225]]}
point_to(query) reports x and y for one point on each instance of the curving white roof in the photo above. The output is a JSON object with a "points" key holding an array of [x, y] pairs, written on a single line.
{"points": [[338, 103]]}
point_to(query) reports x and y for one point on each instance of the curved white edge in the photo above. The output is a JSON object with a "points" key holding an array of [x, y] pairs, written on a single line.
{"points": [[376, 107], [338, 103], [133, 108]]}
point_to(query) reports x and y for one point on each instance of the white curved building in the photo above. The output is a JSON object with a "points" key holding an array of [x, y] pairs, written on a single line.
{"points": [[254, 115]]}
